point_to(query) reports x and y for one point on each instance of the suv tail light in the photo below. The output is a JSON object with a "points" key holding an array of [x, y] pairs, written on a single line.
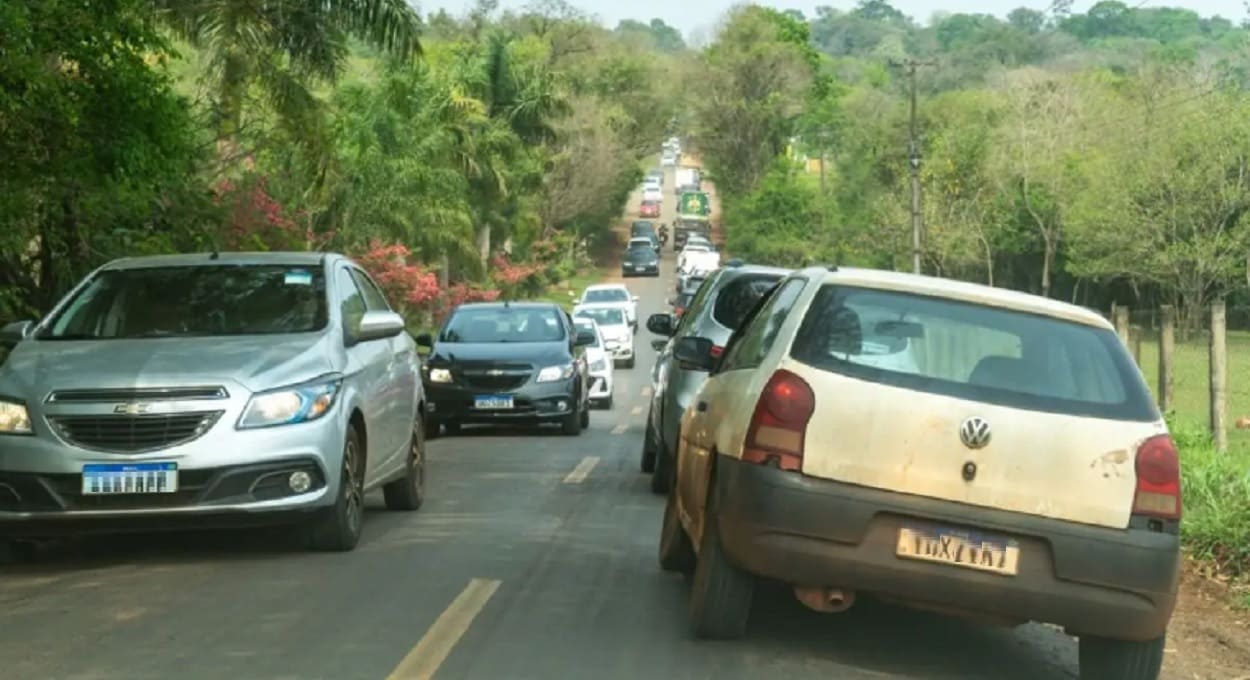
{"points": [[779, 424], [1158, 479]]}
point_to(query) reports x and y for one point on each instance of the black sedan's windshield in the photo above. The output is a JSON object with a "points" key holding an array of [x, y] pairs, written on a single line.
{"points": [[503, 324], [199, 300]]}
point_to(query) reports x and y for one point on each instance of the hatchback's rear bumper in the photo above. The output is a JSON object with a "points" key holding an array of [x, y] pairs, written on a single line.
{"points": [[1090, 580]]}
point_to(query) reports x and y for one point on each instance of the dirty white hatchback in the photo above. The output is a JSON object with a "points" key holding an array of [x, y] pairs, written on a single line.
{"points": [[940, 444]]}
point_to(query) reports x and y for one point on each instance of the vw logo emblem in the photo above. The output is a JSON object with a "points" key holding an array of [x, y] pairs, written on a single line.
{"points": [[974, 432]]}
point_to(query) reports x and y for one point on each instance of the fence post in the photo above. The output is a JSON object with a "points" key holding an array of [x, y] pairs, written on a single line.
{"points": [[1167, 347], [1120, 314], [1219, 377], [1136, 334]]}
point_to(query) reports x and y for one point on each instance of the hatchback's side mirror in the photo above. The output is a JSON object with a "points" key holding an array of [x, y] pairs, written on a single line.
{"points": [[661, 324], [584, 339], [694, 353], [16, 331]]}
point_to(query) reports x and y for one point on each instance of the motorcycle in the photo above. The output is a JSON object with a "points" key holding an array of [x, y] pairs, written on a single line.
{"points": [[663, 239]]}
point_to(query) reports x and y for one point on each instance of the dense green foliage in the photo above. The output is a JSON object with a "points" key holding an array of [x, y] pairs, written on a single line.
{"points": [[1093, 157], [487, 146]]}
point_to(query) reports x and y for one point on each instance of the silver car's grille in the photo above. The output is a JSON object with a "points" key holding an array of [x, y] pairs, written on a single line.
{"points": [[144, 394], [133, 433]]}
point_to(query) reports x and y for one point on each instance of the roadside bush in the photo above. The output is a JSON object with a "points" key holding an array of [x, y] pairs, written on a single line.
{"points": [[1216, 492]]}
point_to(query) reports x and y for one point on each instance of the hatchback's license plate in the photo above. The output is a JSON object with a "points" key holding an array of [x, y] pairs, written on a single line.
{"points": [[129, 478], [493, 402], [960, 549]]}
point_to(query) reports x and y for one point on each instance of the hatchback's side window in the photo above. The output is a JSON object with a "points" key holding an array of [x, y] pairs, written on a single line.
{"points": [[351, 302], [757, 337], [374, 299]]}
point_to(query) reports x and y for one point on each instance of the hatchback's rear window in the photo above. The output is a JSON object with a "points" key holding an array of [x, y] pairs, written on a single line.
{"points": [[739, 295], [972, 352]]}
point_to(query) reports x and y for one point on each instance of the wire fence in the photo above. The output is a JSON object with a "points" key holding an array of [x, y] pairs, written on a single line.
{"points": [[1218, 400]]}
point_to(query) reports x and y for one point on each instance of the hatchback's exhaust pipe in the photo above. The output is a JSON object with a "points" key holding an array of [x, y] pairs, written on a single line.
{"points": [[825, 600]]}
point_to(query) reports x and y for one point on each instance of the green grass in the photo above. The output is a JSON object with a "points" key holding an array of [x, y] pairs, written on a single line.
{"points": [[1190, 396]]}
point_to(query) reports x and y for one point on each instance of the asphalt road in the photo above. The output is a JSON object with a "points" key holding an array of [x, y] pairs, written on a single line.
{"points": [[534, 557]]}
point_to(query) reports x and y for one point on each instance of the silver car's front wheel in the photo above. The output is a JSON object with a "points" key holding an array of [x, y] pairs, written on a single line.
{"points": [[408, 492], [338, 527]]}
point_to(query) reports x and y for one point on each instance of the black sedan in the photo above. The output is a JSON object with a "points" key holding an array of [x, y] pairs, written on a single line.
{"points": [[641, 259], [507, 363]]}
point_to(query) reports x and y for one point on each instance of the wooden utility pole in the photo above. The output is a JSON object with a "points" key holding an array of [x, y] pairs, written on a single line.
{"points": [[1219, 377], [913, 159]]}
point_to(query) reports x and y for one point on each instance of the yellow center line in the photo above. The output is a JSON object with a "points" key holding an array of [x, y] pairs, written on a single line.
{"points": [[424, 660], [620, 429], [579, 473]]}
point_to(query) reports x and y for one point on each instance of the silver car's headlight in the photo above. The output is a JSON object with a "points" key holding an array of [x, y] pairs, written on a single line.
{"points": [[599, 365], [290, 405], [14, 418], [440, 375], [554, 373]]}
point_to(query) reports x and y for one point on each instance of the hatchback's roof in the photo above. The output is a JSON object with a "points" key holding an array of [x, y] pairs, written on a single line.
{"points": [[975, 293], [208, 259]]}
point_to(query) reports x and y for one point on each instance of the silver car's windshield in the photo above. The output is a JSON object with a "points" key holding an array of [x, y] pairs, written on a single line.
{"points": [[200, 300]]}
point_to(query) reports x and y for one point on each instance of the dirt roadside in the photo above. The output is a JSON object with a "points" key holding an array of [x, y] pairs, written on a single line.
{"points": [[1209, 638]]}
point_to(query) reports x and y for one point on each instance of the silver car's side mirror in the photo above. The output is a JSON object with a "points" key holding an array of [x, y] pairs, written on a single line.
{"points": [[378, 325], [16, 331]]}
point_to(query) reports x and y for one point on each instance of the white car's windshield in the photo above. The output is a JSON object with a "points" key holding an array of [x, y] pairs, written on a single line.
{"points": [[608, 316], [606, 295]]}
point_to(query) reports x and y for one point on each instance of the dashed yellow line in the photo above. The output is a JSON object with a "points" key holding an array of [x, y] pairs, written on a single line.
{"points": [[636, 411], [620, 429], [579, 473], [424, 660]]}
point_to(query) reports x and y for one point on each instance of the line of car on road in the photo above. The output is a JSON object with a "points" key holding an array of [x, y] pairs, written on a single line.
{"points": [[943, 445]]}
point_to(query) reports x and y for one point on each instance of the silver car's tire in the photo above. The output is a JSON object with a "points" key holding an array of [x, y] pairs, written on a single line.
{"points": [[338, 527], [408, 492]]}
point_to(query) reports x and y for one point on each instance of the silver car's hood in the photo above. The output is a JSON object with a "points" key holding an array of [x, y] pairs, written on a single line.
{"points": [[36, 368]]}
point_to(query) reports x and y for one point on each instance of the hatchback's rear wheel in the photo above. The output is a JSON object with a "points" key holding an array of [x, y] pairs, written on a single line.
{"points": [[1107, 659], [337, 528], [721, 594], [408, 492]]}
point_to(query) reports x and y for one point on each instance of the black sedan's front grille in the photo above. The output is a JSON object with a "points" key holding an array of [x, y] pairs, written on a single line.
{"points": [[131, 434], [502, 383]]}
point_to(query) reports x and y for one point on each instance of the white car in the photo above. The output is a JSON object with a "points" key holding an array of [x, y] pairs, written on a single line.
{"points": [[668, 159], [617, 332], [652, 193], [652, 182], [940, 444], [615, 295], [600, 365]]}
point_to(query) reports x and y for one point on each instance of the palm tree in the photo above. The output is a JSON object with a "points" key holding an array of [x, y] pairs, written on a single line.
{"points": [[281, 46]]}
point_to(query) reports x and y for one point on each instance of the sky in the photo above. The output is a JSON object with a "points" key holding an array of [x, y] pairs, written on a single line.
{"points": [[702, 15]]}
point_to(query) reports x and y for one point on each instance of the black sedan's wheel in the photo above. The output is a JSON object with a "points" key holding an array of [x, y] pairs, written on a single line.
{"points": [[572, 423], [662, 476], [408, 492], [338, 527]]}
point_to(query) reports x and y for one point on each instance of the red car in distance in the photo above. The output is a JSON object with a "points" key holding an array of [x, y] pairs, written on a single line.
{"points": [[649, 209]]}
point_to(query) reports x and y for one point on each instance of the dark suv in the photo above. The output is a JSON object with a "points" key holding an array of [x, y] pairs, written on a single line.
{"points": [[718, 308], [507, 362]]}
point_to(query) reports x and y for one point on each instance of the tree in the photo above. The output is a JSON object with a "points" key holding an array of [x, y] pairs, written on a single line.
{"points": [[1033, 146], [751, 90]]}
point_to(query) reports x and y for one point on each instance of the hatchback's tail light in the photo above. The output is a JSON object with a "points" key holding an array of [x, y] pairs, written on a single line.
{"points": [[1158, 479], [779, 424]]}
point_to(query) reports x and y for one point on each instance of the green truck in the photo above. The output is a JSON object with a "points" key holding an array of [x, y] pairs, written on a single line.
{"points": [[694, 211]]}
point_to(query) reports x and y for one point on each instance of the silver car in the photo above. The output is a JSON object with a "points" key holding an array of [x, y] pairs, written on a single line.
{"points": [[722, 301], [211, 390]]}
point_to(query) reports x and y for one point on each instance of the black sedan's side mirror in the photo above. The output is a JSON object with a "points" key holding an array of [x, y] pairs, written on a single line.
{"points": [[584, 339], [661, 324], [694, 354]]}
